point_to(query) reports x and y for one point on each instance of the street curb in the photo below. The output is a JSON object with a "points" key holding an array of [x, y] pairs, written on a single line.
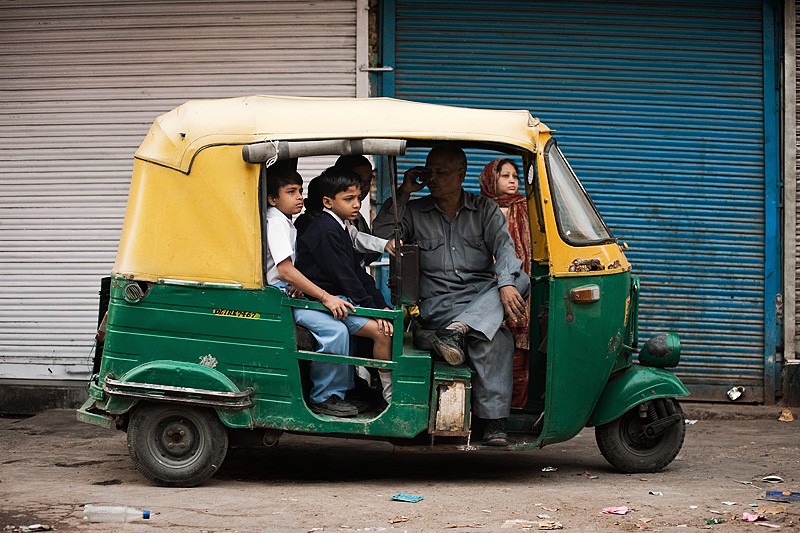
{"points": [[732, 411]]}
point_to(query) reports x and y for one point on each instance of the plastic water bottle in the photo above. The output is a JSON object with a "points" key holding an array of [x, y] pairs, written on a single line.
{"points": [[113, 513]]}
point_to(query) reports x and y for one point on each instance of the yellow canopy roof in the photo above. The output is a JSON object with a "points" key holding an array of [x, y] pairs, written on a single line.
{"points": [[176, 137]]}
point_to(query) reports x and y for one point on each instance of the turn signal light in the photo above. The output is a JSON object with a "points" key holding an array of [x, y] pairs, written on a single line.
{"points": [[585, 295]]}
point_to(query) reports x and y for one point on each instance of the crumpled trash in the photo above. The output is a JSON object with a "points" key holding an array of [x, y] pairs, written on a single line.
{"points": [[728, 503], [550, 469], [712, 521], [398, 519], [530, 524], [735, 393], [656, 493], [772, 479], [511, 524], [690, 422], [616, 510], [750, 517], [401, 497], [37, 527], [782, 496], [786, 416], [549, 524]]}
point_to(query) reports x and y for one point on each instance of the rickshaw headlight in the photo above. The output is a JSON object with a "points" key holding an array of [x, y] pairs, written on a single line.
{"points": [[663, 350]]}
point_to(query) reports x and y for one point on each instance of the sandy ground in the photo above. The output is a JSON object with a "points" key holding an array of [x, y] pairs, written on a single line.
{"points": [[51, 465]]}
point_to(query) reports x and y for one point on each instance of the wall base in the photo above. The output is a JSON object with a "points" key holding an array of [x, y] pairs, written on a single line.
{"points": [[791, 385], [29, 399]]}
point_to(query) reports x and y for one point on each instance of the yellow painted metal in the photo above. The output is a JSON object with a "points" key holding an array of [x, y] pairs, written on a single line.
{"points": [[561, 254], [201, 227], [193, 206], [177, 136]]}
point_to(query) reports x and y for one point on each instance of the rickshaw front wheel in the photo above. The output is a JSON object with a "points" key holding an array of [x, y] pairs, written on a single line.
{"points": [[644, 439], [176, 445]]}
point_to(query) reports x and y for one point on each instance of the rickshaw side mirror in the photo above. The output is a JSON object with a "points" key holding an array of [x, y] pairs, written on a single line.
{"points": [[404, 275]]}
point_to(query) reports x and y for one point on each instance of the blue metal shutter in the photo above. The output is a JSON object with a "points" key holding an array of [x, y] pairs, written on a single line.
{"points": [[660, 109]]}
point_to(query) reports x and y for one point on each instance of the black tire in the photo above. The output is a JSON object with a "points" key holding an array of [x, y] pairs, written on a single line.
{"points": [[199, 442], [621, 443]]}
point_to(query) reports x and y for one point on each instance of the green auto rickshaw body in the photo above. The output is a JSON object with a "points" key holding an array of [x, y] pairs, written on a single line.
{"points": [[190, 321]]}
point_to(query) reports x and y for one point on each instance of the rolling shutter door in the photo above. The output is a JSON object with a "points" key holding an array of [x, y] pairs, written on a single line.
{"points": [[81, 84], [660, 109]]}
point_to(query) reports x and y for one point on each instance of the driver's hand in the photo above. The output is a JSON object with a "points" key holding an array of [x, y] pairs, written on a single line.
{"points": [[415, 179], [389, 248], [513, 303]]}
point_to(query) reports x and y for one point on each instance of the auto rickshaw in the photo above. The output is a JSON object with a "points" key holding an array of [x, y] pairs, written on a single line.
{"points": [[199, 353]]}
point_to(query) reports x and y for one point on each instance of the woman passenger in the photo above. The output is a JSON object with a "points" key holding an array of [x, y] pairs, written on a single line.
{"points": [[500, 182]]}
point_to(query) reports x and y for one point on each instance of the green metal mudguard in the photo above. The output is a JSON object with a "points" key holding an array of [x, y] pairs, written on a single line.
{"points": [[632, 386], [180, 382]]}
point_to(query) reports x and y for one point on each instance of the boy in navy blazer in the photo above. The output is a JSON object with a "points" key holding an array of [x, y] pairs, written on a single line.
{"points": [[325, 255]]}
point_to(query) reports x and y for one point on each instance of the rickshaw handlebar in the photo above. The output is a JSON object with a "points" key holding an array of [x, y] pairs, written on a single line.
{"points": [[271, 151]]}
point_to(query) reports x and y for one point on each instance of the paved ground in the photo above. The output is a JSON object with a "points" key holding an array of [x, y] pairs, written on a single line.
{"points": [[50, 465]]}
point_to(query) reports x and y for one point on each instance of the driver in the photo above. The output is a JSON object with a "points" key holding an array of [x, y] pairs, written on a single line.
{"points": [[470, 278]]}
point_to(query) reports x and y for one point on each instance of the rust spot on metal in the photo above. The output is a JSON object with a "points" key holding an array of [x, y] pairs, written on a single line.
{"points": [[586, 265]]}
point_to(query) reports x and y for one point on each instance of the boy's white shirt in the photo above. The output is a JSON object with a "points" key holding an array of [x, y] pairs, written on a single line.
{"points": [[281, 242], [362, 242]]}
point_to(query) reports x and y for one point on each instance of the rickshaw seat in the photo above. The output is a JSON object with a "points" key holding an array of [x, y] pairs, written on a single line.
{"points": [[305, 340]]}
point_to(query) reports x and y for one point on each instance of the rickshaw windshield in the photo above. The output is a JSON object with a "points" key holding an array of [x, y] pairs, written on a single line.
{"points": [[579, 222]]}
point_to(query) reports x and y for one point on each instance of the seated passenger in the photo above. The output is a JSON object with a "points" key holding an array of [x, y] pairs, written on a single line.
{"points": [[325, 255], [330, 381], [363, 242], [361, 166], [313, 206]]}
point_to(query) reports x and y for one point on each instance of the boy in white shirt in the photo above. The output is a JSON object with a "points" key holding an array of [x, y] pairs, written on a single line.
{"points": [[330, 381]]}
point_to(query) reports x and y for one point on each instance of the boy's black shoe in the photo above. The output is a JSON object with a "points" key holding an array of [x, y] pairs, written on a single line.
{"points": [[334, 406], [449, 344], [362, 406], [495, 433]]}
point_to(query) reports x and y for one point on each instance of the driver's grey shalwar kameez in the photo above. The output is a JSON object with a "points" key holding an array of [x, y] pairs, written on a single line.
{"points": [[463, 263]]}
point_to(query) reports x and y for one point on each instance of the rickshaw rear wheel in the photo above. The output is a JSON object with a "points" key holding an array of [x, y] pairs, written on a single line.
{"points": [[625, 445], [176, 445]]}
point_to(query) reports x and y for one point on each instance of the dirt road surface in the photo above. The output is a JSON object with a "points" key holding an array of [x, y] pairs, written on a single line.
{"points": [[51, 465]]}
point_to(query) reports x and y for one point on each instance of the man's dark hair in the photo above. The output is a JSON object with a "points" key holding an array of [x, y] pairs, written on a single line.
{"points": [[335, 180], [453, 152], [280, 178], [314, 199], [352, 161]]}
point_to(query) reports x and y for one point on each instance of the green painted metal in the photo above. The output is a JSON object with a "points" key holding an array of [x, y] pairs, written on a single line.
{"points": [[181, 374], [584, 342], [633, 386], [84, 415], [249, 336]]}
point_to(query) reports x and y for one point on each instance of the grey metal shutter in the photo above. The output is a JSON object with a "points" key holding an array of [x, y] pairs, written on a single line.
{"points": [[81, 83], [659, 107]]}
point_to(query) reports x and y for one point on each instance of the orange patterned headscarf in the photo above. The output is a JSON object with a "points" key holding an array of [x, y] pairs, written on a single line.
{"points": [[518, 224]]}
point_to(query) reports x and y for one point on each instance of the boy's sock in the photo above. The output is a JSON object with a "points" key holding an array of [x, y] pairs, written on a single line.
{"points": [[386, 382]]}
